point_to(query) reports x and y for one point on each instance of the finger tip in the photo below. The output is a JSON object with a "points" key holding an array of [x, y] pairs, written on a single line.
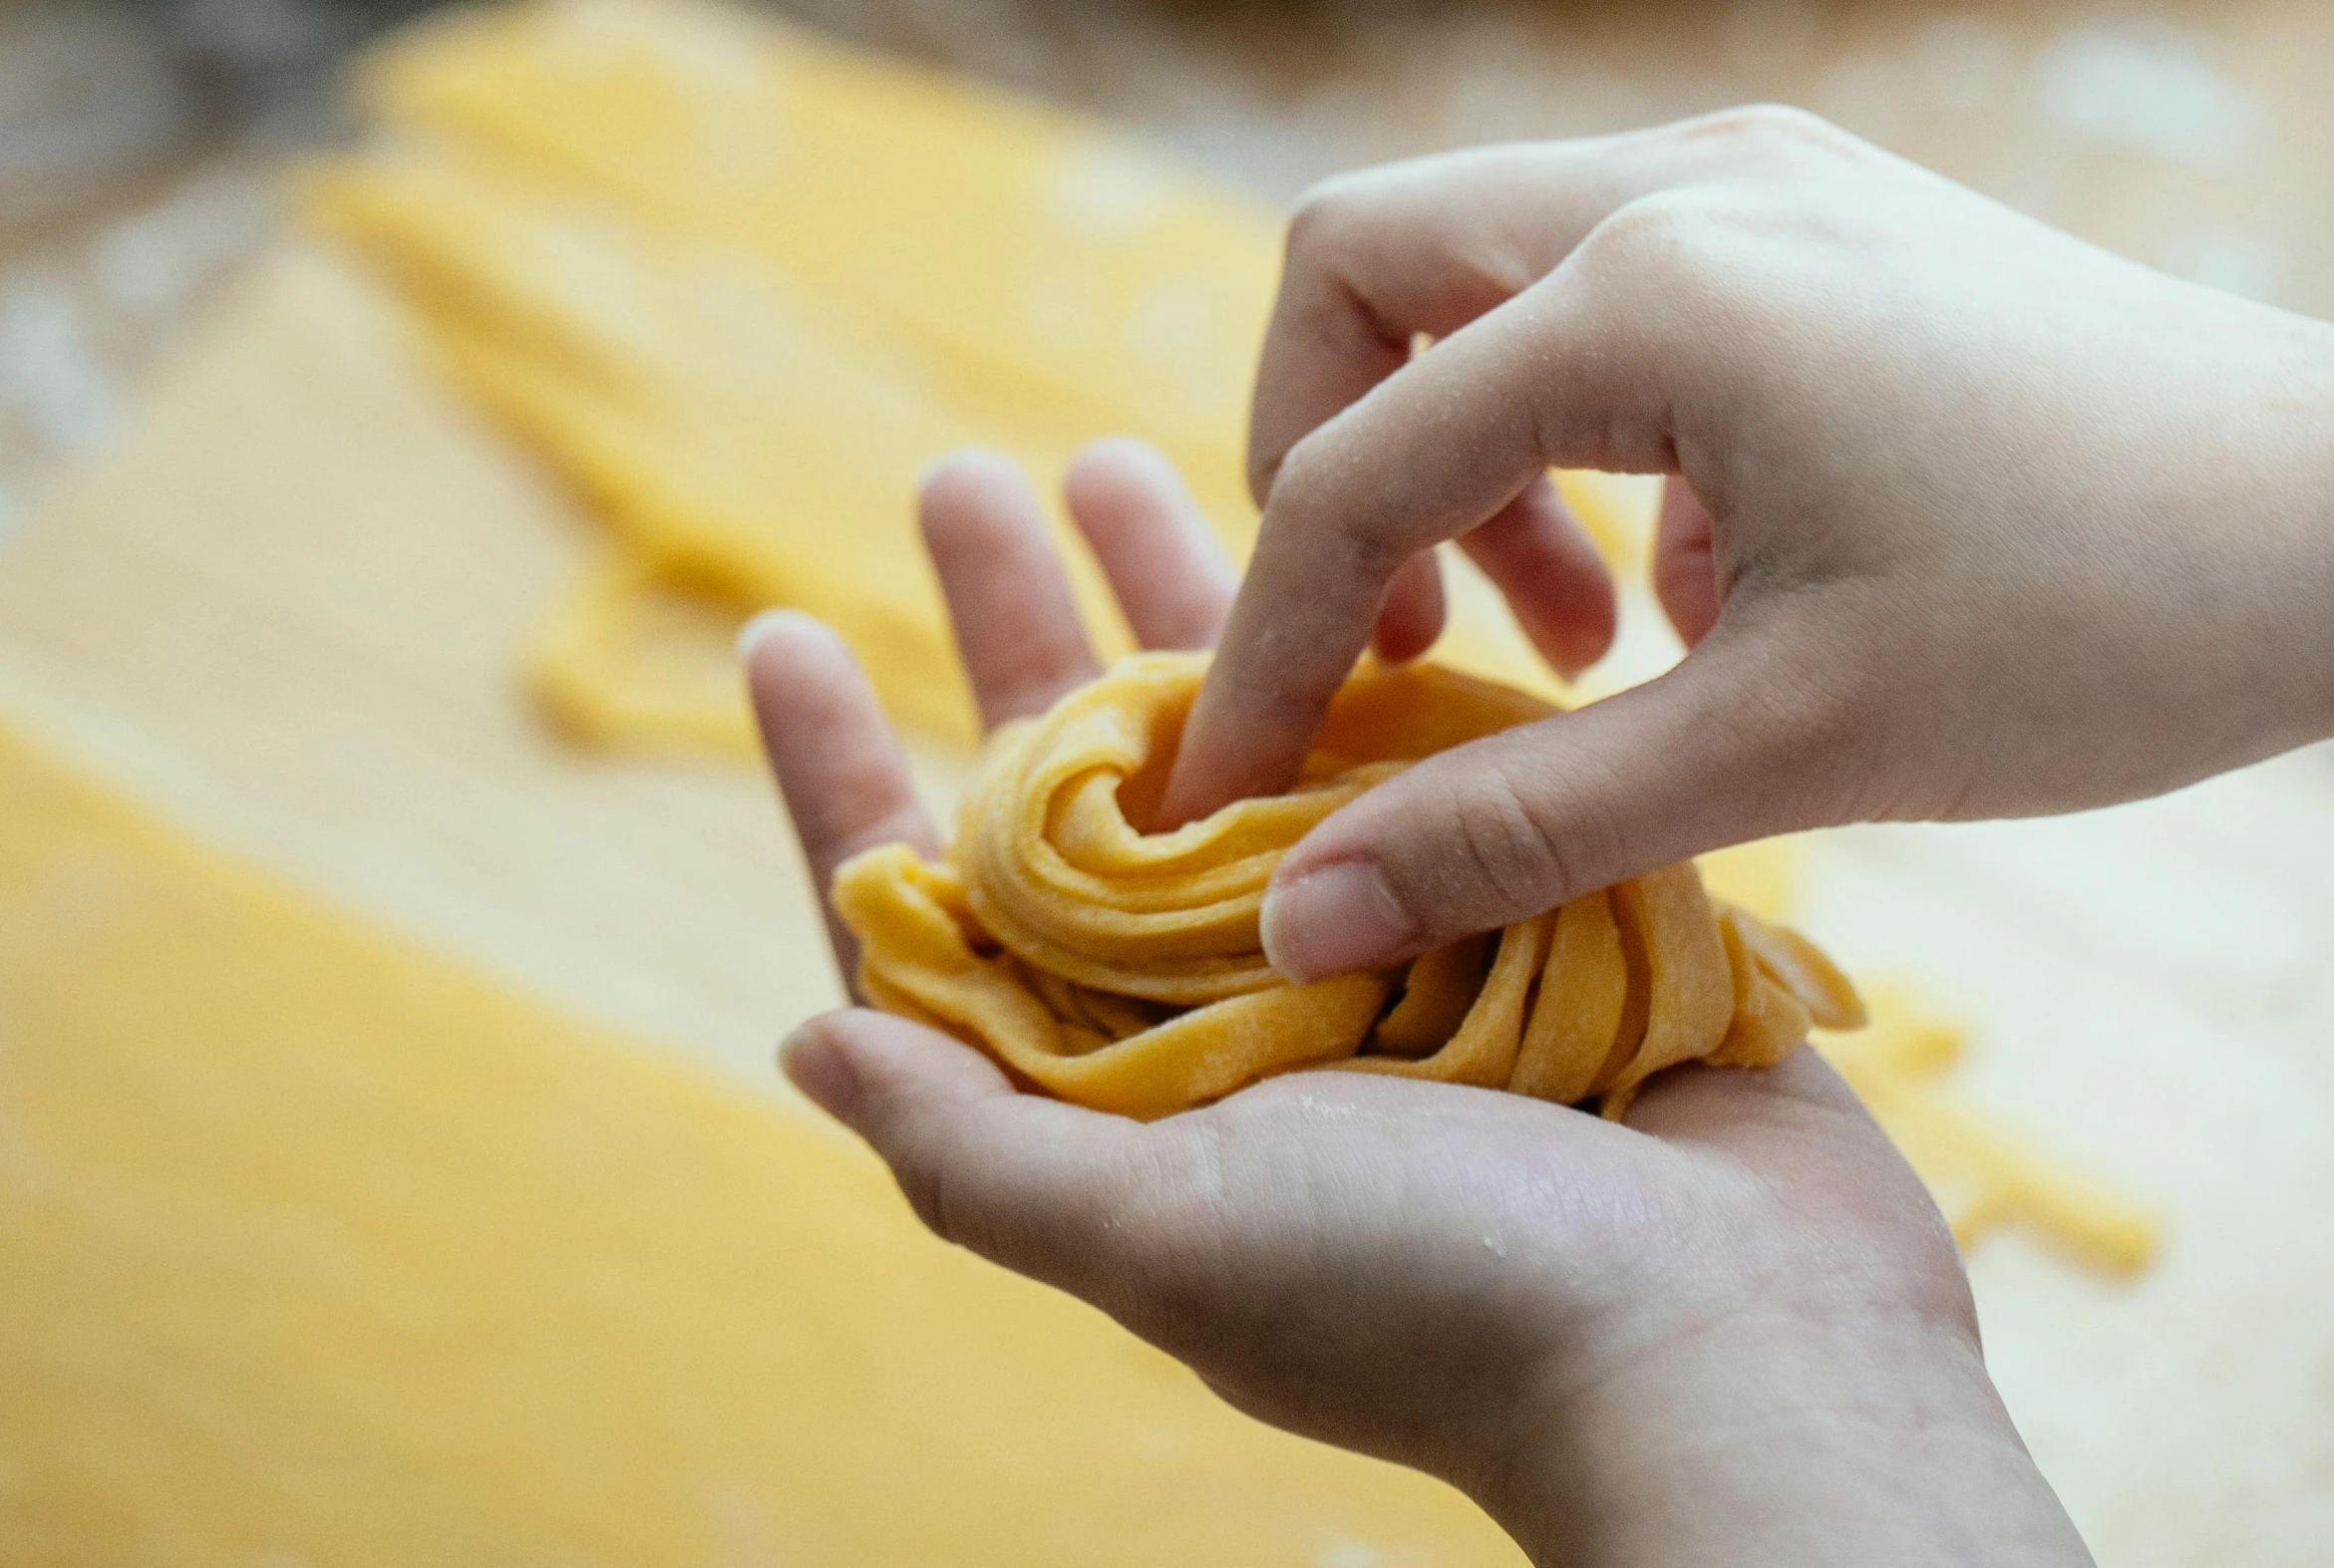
{"points": [[1284, 952], [1226, 757], [1196, 786], [1693, 621], [971, 458], [780, 627], [1262, 473], [1113, 477], [816, 1060], [1114, 449], [1405, 630], [1412, 611], [1583, 649], [974, 477], [1398, 640]]}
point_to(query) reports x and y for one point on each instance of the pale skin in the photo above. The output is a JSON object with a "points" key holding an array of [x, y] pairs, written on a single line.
{"points": [[1734, 1331], [1965, 519]]}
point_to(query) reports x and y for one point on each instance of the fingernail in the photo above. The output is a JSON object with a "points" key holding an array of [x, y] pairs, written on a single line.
{"points": [[813, 1065], [760, 627], [1333, 921]]}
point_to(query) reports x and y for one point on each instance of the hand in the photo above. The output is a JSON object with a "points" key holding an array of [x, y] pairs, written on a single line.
{"points": [[1734, 1331], [1967, 519]]}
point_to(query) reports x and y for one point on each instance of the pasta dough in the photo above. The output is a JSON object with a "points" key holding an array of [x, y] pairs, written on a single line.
{"points": [[739, 286], [316, 1247], [1122, 969]]}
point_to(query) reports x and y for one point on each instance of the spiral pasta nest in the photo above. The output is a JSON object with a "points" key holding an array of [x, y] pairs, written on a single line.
{"points": [[1122, 969]]}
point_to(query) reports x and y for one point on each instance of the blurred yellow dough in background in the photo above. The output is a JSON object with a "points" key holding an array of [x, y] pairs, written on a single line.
{"points": [[1122, 969], [320, 1249], [738, 286]]}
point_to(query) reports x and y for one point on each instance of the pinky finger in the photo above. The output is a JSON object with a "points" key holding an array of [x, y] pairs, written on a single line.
{"points": [[1411, 616], [1685, 571], [1543, 561]]}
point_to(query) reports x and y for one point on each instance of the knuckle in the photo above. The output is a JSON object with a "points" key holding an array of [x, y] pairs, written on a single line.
{"points": [[1766, 130], [1643, 226], [1665, 241], [1326, 212], [1707, 255], [1750, 175], [923, 1160], [922, 1183], [1506, 840], [1299, 470], [1309, 471]]}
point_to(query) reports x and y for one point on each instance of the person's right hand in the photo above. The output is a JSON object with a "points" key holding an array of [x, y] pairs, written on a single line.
{"points": [[1974, 520]]}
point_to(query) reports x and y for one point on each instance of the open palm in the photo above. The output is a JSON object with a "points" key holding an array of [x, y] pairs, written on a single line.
{"points": [[1561, 1314]]}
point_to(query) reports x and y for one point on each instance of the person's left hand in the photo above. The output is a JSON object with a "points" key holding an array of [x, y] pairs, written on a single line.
{"points": [[1734, 1329]]}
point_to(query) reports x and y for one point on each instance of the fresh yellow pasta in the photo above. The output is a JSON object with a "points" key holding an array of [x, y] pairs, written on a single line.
{"points": [[1122, 969], [737, 286], [317, 1246], [742, 443]]}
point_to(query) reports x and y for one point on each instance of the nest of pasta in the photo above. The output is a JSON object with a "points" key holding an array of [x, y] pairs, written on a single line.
{"points": [[1122, 969]]}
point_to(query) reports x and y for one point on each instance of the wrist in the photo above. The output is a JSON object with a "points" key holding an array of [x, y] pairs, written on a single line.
{"points": [[2290, 606], [1760, 1441]]}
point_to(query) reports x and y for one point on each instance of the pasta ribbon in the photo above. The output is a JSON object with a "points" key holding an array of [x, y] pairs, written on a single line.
{"points": [[735, 286], [1122, 969]]}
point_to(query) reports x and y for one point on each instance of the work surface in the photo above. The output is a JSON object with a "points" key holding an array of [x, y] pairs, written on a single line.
{"points": [[286, 614]]}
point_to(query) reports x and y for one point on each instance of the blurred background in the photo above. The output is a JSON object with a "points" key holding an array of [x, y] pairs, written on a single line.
{"points": [[2192, 135]]}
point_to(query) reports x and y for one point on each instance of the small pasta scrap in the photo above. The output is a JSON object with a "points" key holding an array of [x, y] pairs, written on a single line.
{"points": [[1122, 969], [1984, 1176]]}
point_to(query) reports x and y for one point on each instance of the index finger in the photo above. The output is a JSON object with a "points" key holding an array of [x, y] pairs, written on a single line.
{"points": [[1429, 446], [1427, 246], [1376, 258], [1428, 454]]}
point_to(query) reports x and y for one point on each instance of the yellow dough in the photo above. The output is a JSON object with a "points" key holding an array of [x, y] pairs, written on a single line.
{"points": [[1122, 969], [315, 1248], [743, 444], [739, 286], [1039, 258]]}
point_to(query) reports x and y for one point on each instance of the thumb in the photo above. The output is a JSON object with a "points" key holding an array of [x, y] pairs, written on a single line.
{"points": [[1736, 742]]}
